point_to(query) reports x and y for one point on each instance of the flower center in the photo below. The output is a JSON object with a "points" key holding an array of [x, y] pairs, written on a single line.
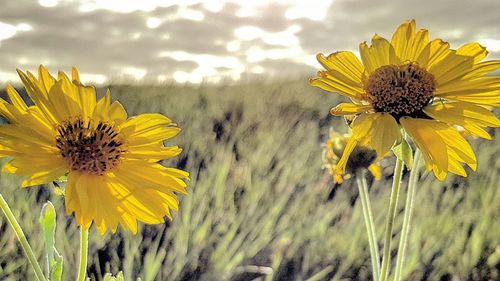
{"points": [[89, 149], [361, 157], [400, 90]]}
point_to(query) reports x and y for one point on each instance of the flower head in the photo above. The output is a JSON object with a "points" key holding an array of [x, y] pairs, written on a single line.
{"points": [[362, 157], [419, 85], [111, 161]]}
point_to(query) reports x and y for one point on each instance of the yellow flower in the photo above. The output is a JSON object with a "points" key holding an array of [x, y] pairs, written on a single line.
{"points": [[362, 157], [419, 85], [111, 161]]}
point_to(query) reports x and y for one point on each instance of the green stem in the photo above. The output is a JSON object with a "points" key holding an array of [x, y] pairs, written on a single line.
{"points": [[405, 231], [370, 226], [391, 214], [84, 243], [22, 239]]}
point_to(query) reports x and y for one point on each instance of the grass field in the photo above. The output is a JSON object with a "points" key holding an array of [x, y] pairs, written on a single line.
{"points": [[260, 206]]}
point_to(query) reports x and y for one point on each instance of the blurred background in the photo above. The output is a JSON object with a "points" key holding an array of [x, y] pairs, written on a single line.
{"points": [[233, 75]]}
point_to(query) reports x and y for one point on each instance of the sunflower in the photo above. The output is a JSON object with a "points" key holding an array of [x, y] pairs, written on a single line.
{"points": [[361, 158], [419, 85], [111, 161]]}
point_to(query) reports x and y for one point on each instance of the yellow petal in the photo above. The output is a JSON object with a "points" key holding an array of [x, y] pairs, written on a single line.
{"points": [[39, 170], [329, 83], [78, 198], [369, 60], [401, 38], [341, 165], [137, 201], [7, 111], [152, 176], [105, 111], [440, 140], [148, 128], [177, 173], [384, 52], [38, 94], [44, 177], [418, 46], [384, 133], [375, 170], [455, 167], [349, 108], [152, 153], [102, 107], [117, 113], [144, 204], [462, 113], [16, 99], [121, 198], [368, 129], [25, 135], [106, 211], [438, 50], [379, 54], [46, 79], [362, 126], [474, 50], [87, 97], [484, 90], [451, 67], [345, 64], [128, 222], [64, 104], [489, 98], [458, 146], [376, 130], [144, 122], [476, 130], [469, 86], [74, 75], [105, 101], [424, 133], [410, 45], [482, 68]]}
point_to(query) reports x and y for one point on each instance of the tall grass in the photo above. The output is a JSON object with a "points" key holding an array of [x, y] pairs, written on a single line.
{"points": [[261, 208]]}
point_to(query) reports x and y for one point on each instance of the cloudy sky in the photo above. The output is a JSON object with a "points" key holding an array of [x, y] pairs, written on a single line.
{"points": [[216, 40]]}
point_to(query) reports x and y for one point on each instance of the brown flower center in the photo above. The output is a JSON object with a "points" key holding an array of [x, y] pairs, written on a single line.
{"points": [[89, 149], [400, 90]]}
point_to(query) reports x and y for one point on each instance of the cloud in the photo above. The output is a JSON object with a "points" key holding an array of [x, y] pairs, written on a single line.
{"points": [[350, 22], [213, 40]]}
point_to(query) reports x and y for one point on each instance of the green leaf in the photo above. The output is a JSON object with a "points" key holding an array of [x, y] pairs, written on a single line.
{"points": [[404, 152], [56, 268], [48, 222]]}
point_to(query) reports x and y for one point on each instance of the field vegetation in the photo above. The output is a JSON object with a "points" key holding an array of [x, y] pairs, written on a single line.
{"points": [[261, 207]]}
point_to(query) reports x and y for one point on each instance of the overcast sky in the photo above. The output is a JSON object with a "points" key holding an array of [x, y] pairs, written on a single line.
{"points": [[195, 41]]}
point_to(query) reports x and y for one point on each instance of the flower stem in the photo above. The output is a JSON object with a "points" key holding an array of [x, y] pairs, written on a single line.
{"points": [[405, 231], [396, 182], [84, 239], [22, 239], [370, 226]]}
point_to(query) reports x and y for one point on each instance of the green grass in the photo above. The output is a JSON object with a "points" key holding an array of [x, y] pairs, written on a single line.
{"points": [[261, 208]]}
